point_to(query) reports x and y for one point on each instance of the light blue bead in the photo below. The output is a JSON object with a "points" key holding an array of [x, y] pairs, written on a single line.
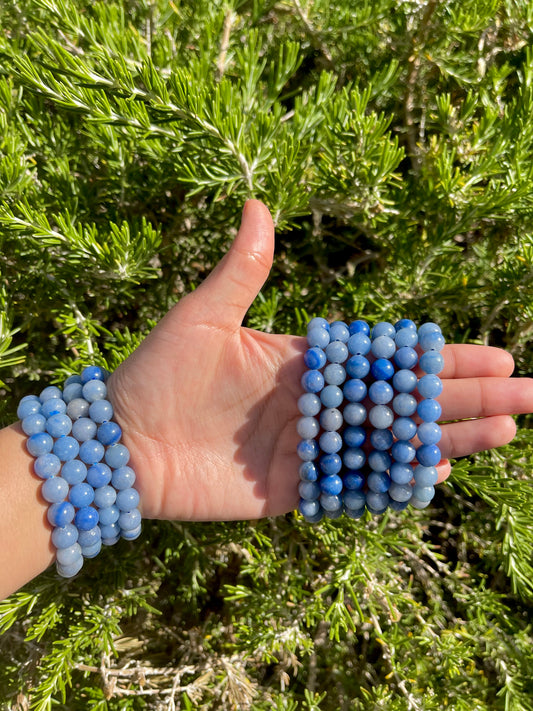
{"points": [[378, 460], [92, 551], [117, 456], [39, 443], [428, 327], [330, 502], [72, 379], [354, 458], [104, 497], [404, 428], [309, 490], [431, 341], [72, 391], [382, 369], [74, 471], [430, 386], [331, 396], [90, 537], [336, 352], [403, 451], [406, 337], [378, 481], [47, 465], [309, 404], [405, 323], [318, 322], [400, 492], [50, 391], [423, 493], [54, 489], [359, 344], [426, 476], [307, 450], [60, 513], [77, 408], [381, 439], [34, 423], [307, 472], [331, 419], [131, 535], [380, 392], [109, 433], [401, 473], [29, 405], [381, 416], [86, 518], [404, 381], [53, 406], [315, 358], [330, 464], [357, 366], [354, 413], [428, 455], [330, 442], [331, 485], [101, 411], [64, 536], [312, 381], [66, 448], [417, 504], [354, 390], [91, 451], [94, 390], [69, 571], [383, 347], [129, 520], [81, 495], [377, 502], [108, 514], [406, 357], [92, 372], [127, 499], [83, 429], [383, 328], [112, 540], [354, 436], [404, 405], [429, 410], [58, 425], [308, 508], [338, 331], [69, 555], [353, 481], [354, 499], [431, 362], [124, 477], [398, 505], [429, 433], [359, 326], [334, 374], [110, 531], [318, 337]]}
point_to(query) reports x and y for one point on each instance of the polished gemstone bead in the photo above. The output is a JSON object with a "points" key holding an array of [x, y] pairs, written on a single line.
{"points": [[318, 337], [400, 492], [66, 448], [110, 534], [330, 464], [382, 369], [331, 419], [331, 396], [336, 513], [354, 413], [92, 551], [104, 497], [406, 337], [330, 442], [359, 326], [423, 493], [309, 404], [336, 352], [428, 327], [307, 472], [406, 357], [318, 321], [403, 451], [418, 504], [29, 405], [67, 556], [64, 536], [330, 502], [74, 471], [117, 456], [381, 439], [94, 390], [124, 477], [54, 489], [47, 465], [60, 513], [404, 428], [100, 411], [429, 410], [353, 480], [99, 475], [307, 450], [307, 427], [91, 451], [83, 429], [308, 508], [69, 571], [86, 518], [431, 341], [430, 386], [354, 513], [50, 391], [354, 390], [377, 502], [315, 358], [357, 366], [359, 344], [380, 392], [309, 490], [77, 408], [431, 362], [383, 328], [108, 514], [39, 443], [401, 473], [129, 520], [354, 436], [92, 372], [34, 423], [378, 481], [334, 374], [331, 484], [405, 323], [90, 537], [72, 391], [398, 505], [354, 499], [428, 455], [429, 433], [312, 381], [404, 381], [381, 416], [383, 347], [58, 425], [109, 433], [131, 535], [81, 495], [338, 331], [53, 406], [378, 460], [353, 458], [72, 379], [426, 476], [404, 405]]}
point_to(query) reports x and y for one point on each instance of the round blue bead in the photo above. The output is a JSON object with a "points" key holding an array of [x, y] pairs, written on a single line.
{"points": [[33, 424], [401, 473], [64, 536], [431, 341], [129, 520], [331, 484], [428, 327], [72, 379], [429, 433], [92, 372], [423, 493], [58, 425], [406, 337], [331, 419], [354, 499], [109, 433], [359, 326], [53, 406], [90, 537], [104, 497], [354, 513], [359, 344], [354, 413], [330, 442], [39, 443], [318, 337], [91, 451], [330, 502], [336, 352], [54, 489], [354, 436], [381, 439], [417, 504], [430, 386], [426, 476], [66, 448], [81, 495], [330, 464], [381, 416], [60, 513], [110, 533], [404, 428], [382, 369], [101, 411], [308, 508], [354, 390], [77, 408], [380, 392], [338, 331], [307, 450], [378, 460], [92, 551], [431, 362], [69, 555], [29, 405], [49, 392], [353, 458], [309, 404], [315, 358], [117, 456], [383, 328], [404, 381], [336, 513], [403, 451], [308, 490], [377, 501], [108, 514], [398, 505], [307, 427], [47, 465], [312, 381], [353, 481], [406, 357], [72, 391], [400, 492], [131, 535], [124, 477], [404, 405], [429, 410], [357, 366], [74, 471], [318, 321], [428, 455], [86, 518], [383, 347], [334, 374], [83, 429], [307, 472], [378, 481], [69, 571], [331, 396], [94, 390], [405, 323]]}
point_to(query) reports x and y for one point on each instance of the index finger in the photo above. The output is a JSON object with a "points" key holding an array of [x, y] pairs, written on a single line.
{"points": [[464, 360]]}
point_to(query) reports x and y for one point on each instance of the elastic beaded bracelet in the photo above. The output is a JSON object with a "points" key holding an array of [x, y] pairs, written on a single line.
{"points": [[83, 465], [361, 376]]}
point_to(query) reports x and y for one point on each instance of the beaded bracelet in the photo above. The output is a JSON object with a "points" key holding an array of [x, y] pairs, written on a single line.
{"points": [[84, 467], [348, 468]]}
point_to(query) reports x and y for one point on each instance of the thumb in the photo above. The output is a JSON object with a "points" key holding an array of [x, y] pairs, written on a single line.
{"points": [[228, 292]]}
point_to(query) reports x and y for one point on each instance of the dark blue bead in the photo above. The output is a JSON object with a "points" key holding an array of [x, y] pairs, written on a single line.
{"points": [[307, 450], [428, 455], [315, 358], [81, 495], [330, 464], [331, 484], [359, 326], [381, 439], [92, 372], [109, 433], [405, 323], [357, 366], [354, 436], [312, 381], [86, 518], [353, 481], [378, 482], [382, 369], [354, 513], [398, 505]]}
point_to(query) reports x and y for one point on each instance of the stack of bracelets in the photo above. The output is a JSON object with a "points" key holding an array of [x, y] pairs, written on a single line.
{"points": [[84, 469], [357, 457]]}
